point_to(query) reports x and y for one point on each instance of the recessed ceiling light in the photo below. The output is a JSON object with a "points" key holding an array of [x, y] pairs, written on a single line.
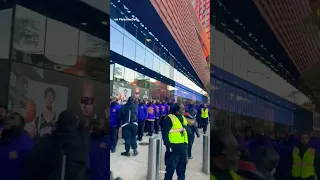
{"points": [[84, 24], [104, 22]]}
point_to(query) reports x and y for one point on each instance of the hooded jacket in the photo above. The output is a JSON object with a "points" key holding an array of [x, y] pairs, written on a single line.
{"points": [[128, 111], [46, 158]]}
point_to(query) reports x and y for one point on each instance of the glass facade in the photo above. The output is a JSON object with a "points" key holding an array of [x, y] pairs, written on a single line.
{"points": [[5, 19], [50, 54], [127, 82], [75, 52], [132, 40]]}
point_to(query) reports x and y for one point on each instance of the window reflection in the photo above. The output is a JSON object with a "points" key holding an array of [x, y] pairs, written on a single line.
{"points": [[140, 54], [5, 19], [128, 48], [116, 40], [111, 71], [129, 75], [92, 60], [118, 72], [156, 64], [61, 53], [149, 59], [28, 36]]}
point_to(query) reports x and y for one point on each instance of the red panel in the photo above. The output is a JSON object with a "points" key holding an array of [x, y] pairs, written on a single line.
{"points": [[184, 25]]}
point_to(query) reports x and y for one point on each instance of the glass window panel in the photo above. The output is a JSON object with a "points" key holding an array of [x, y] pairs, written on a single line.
{"points": [[130, 30], [111, 71], [167, 69], [162, 68], [129, 48], [92, 60], [140, 54], [116, 40], [129, 75], [5, 19], [156, 64], [101, 5], [61, 53], [156, 48], [141, 36], [29, 35], [118, 72], [149, 44], [149, 59]]}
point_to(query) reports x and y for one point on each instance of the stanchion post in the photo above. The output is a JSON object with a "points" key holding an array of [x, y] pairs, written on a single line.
{"points": [[154, 156], [206, 155]]}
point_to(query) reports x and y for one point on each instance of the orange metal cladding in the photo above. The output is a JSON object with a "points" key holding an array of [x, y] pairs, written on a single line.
{"points": [[182, 22], [298, 37], [294, 24]]}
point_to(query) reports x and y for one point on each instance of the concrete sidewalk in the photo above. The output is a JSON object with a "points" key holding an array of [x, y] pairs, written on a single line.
{"points": [[135, 168]]}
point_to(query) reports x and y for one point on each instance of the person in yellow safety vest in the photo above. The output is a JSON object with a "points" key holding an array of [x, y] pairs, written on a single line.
{"points": [[304, 161], [204, 115], [175, 138], [224, 155]]}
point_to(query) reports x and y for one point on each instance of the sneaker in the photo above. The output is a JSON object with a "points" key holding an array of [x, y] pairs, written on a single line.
{"points": [[125, 154], [113, 150], [135, 152], [190, 157]]}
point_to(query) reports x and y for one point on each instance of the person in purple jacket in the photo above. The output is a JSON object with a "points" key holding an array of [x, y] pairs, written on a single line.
{"points": [[99, 151], [164, 111], [151, 118], [114, 123], [15, 144], [157, 117], [142, 116]]}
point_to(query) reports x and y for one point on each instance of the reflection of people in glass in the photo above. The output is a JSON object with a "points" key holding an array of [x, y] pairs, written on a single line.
{"points": [[87, 101], [125, 96], [46, 121]]}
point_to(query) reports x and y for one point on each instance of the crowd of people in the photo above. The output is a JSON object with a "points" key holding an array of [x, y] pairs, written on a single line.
{"points": [[77, 149], [255, 154], [177, 122]]}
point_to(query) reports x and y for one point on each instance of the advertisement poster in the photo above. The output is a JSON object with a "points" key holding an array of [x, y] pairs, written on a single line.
{"points": [[123, 91], [41, 95], [48, 106]]}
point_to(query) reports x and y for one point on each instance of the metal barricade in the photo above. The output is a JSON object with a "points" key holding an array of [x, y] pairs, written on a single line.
{"points": [[154, 158], [206, 155]]}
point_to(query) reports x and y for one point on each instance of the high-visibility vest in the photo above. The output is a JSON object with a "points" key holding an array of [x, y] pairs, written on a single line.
{"points": [[178, 134], [303, 168], [204, 113], [234, 175]]}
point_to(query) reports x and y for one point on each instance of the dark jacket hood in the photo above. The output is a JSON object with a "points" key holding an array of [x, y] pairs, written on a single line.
{"points": [[67, 123]]}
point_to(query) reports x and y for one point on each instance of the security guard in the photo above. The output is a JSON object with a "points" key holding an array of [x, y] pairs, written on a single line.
{"points": [[175, 139], [224, 155], [304, 160], [204, 117]]}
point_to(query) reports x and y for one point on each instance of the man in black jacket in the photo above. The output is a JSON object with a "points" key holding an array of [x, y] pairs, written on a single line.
{"points": [[69, 140], [129, 123]]}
